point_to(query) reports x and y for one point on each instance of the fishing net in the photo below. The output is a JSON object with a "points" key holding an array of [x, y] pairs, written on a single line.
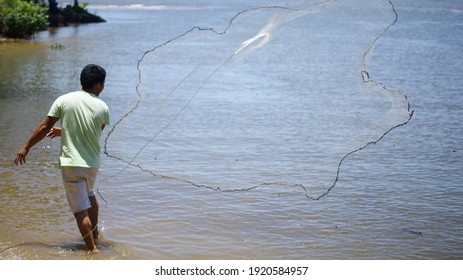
{"points": [[276, 99]]}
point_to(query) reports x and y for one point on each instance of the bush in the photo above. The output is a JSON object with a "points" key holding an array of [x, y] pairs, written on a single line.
{"points": [[5, 6], [23, 20]]}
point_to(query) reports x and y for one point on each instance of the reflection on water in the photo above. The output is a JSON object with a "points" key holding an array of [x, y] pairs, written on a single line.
{"points": [[409, 180]]}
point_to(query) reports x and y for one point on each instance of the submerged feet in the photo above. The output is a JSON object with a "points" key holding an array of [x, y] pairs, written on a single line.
{"points": [[94, 251], [95, 234]]}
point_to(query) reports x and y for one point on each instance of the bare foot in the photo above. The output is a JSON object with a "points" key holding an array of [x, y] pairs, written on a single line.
{"points": [[95, 251]]}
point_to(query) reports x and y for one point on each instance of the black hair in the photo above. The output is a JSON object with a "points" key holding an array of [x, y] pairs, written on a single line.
{"points": [[91, 75]]}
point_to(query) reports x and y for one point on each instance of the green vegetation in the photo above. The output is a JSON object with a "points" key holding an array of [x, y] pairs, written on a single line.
{"points": [[57, 47], [22, 18], [19, 19]]}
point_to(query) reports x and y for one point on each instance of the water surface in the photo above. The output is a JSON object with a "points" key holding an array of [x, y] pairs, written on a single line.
{"points": [[400, 198]]}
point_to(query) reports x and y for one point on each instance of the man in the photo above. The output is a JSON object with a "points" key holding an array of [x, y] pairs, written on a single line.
{"points": [[83, 117]]}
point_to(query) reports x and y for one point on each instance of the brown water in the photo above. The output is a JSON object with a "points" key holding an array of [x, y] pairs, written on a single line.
{"points": [[398, 199]]}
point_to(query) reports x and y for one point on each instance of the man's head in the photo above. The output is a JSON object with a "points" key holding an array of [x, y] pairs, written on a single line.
{"points": [[92, 78]]}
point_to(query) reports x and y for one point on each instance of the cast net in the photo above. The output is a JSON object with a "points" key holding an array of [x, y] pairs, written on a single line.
{"points": [[275, 99]]}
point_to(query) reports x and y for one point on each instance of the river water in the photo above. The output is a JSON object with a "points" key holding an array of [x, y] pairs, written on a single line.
{"points": [[247, 130]]}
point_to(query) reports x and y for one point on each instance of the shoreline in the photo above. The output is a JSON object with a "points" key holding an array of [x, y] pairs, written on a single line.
{"points": [[4, 39]]}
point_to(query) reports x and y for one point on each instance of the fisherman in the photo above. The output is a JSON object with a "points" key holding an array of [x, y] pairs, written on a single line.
{"points": [[83, 117]]}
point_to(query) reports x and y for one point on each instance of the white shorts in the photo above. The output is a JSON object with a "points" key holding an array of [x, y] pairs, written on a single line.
{"points": [[78, 183]]}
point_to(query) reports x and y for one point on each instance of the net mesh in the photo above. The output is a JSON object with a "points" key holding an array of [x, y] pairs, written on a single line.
{"points": [[275, 100]]}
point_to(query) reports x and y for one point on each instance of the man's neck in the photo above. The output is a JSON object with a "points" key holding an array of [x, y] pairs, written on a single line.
{"points": [[90, 91]]}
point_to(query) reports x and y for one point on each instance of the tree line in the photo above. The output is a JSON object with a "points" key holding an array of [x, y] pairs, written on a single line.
{"points": [[22, 18]]}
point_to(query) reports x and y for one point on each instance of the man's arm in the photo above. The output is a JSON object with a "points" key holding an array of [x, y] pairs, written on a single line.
{"points": [[40, 132]]}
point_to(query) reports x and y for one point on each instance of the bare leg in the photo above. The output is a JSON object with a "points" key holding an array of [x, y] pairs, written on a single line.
{"points": [[85, 228], [93, 215]]}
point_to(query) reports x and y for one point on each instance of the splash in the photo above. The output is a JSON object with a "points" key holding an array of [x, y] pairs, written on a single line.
{"points": [[264, 36]]}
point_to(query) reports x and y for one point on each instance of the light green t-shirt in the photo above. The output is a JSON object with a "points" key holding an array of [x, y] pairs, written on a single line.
{"points": [[81, 115]]}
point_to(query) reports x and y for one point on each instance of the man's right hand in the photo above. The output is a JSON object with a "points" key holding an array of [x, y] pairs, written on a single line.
{"points": [[21, 156], [45, 128]]}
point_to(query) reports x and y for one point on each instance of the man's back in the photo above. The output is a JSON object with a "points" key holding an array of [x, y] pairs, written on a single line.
{"points": [[82, 117]]}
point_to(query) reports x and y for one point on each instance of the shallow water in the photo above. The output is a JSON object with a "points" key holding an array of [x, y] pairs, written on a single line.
{"points": [[387, 193]]}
